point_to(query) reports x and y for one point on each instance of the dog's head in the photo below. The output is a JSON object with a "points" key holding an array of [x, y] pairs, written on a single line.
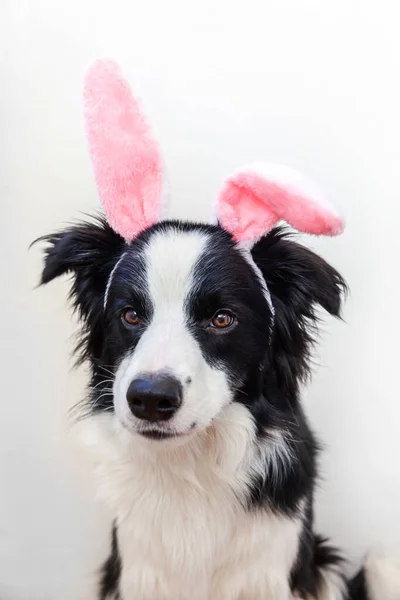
{"points": [[181, 319]]}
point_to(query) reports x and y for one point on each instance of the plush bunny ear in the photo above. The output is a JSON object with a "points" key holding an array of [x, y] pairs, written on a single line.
{"points": [[126, 160], [254, 199]]}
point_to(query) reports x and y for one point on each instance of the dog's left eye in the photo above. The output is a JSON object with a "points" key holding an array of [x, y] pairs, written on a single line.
{"points": [[130, 316], [222, 320]]}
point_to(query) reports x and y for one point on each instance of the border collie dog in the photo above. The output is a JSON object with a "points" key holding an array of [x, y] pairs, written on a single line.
{"points": [[198, 341]]}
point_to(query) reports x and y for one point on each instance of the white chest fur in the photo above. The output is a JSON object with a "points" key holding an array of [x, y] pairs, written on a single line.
{"points": [[182, 530]]}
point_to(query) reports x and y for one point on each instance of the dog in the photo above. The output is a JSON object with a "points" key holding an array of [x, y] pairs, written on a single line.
{"points": [[198, 344]]}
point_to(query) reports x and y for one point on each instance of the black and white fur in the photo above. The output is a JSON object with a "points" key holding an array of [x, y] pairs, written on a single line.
{"points": [[217, 502]]}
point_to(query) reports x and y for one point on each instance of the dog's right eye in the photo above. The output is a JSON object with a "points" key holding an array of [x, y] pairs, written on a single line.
{"points": [[130, 316], [222, 320]]}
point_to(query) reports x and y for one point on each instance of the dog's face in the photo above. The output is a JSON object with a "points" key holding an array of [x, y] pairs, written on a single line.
{"points": [[179, 323], [185, 319]]}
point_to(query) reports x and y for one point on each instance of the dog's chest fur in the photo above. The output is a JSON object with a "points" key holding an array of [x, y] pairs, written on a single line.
{"points": [[183, 531]]}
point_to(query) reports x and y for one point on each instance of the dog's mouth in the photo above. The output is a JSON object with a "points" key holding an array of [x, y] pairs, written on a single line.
{"points": [[162, 434]]}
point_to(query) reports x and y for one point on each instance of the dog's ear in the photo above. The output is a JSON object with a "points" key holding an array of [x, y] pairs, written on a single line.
{"points": [[89, 252], [299, 282]]}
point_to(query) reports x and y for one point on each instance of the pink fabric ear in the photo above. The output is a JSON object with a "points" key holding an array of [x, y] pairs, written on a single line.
{"points": [[254, 199], [126, 160]]}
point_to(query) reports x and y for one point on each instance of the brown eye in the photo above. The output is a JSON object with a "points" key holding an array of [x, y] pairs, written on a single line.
{"points": [[130, 316], [222, 319]]}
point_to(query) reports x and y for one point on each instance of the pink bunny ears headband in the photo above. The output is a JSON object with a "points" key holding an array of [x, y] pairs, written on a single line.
{"points": [[128, 172]]}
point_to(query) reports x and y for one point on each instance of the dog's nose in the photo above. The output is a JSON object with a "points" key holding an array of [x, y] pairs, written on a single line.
{"points": [[154, 398]]}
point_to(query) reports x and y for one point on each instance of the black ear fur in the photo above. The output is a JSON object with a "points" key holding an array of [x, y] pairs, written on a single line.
{"points": [[88, 251], [299, 280]]}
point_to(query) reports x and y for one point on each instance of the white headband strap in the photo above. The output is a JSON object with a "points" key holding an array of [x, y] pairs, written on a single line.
{"points": [[111, 278], [245, 250]]}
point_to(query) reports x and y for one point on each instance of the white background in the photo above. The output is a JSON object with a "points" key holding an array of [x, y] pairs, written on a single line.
{"points": [[311, 83]]}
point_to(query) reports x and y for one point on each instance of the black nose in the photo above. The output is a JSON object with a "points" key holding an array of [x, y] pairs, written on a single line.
{"points": [[154, 397]]}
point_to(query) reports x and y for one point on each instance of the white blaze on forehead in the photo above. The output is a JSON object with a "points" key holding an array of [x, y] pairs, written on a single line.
{"points": [[171, 257]]}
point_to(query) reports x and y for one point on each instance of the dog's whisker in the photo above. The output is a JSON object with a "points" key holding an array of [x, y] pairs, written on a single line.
{"points": [[95, 392], [103, 382]]}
